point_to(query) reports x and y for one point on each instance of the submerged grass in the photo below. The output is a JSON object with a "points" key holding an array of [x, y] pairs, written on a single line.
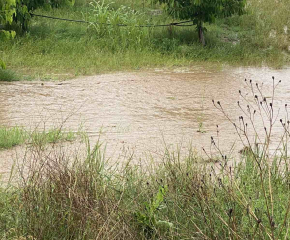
{"points": [[10, 137], [53, 135], [56, 47]]}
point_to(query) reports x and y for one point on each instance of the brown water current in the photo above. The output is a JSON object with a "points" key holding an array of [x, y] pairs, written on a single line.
{"points": [[141, 112]]}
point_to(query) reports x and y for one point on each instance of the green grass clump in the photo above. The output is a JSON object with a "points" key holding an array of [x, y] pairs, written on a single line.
{"points": [[10, 137], [8, 75], [53, 135]]}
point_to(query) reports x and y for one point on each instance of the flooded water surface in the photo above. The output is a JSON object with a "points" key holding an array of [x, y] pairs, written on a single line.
{"points": [[141, 112]]}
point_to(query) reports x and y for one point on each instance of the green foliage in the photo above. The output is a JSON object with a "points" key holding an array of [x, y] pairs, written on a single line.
{"points": [[147, 219], [34, 4], [7, 34], [18, 11], [203, 11], [108, 21], [238, 40], [2, 64], [8, 75], [10, 137], [54, 135], [7, 10]]}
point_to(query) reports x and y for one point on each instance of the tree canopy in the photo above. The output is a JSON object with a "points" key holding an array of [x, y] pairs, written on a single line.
{"points": [[203, 11]]}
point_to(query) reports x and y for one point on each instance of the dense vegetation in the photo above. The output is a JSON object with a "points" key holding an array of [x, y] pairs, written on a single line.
{"points": [[56, 49], [180, 199]]}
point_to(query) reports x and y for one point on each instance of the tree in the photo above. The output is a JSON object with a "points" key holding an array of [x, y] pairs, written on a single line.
{"points": [[203, 11], [18, 11], [7, 10]]}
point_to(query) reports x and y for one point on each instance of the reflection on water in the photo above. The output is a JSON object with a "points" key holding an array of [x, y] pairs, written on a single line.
{"points": [[140, 111]]}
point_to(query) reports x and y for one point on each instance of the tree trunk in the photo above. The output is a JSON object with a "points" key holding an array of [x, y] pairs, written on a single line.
{"points": [[201, 34]]}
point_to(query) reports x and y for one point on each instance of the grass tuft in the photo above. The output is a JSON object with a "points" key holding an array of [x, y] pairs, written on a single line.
{"points": [[8, 75], [53, 135], [10, 137]]}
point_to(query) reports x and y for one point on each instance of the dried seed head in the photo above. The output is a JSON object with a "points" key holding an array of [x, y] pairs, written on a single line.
{"points": [[286, 105], [261, 103], [256, 96], [280, 81], [218, 102], [257, 85], [273, 77], [264, 99], [271, 105], [212, 101], [240, 92], [245, 79], [254, 111], [238, 103], [250, 80], [281, 120]]}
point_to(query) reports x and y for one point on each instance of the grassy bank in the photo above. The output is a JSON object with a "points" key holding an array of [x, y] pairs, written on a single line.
{"points": [[179, 199], [55, 49]]}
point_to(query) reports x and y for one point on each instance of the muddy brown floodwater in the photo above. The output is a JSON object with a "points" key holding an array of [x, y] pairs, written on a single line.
{"points": [[140, 112]]}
